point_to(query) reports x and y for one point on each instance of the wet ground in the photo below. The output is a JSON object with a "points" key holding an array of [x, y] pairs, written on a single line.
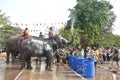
{"points": [[61, 72]]}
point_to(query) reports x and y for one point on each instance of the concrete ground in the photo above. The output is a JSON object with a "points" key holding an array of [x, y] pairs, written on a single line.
{"points": [[61, 72]]}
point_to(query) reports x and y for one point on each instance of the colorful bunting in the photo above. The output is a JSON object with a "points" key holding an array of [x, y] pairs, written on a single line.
{"points": [[17, 24], [52, 23], [38, 27]]}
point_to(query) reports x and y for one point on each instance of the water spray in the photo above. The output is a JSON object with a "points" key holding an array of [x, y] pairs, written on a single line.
{"points": [[73, 17]]}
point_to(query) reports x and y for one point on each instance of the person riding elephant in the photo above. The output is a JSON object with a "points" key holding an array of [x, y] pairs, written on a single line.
{"points": [[26, 33], [51, 33]]}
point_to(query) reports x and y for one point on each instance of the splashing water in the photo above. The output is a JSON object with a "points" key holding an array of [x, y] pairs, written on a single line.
{"points": [[114, 76], [73, 17]]}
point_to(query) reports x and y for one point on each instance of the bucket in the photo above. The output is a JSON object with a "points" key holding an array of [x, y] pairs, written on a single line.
{"points": [[70, 61], [89, 71], [75, 60], [80, 65]]}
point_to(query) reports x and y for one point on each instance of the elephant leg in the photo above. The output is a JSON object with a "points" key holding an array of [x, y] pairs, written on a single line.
{"points": [[22, 64], [13, 57], [8, 54], [47, 63], [22, 61], [29, 63], [49, 60]]}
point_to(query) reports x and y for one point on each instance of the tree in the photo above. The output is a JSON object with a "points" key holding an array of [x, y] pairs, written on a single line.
{"points": [[3, 19], [94, 18], [6, 31]]}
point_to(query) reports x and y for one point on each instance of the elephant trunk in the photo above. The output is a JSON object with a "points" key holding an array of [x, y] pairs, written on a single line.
{"points": [[64, 41]]}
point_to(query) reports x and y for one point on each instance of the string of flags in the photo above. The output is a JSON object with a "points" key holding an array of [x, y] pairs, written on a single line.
{"points": [[36, 28], [38, 24]]}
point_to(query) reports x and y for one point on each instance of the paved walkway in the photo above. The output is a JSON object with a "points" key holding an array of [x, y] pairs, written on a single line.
{"points": [[107, 66], [61, 72], [2, 56]]}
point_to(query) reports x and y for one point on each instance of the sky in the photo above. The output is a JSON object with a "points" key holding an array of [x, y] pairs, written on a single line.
{"points": [[36, 11], [116, 9], [31, 11]]}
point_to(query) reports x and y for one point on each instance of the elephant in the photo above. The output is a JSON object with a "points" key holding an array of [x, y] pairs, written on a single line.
{"points": [[35, 47], [12, 46]]}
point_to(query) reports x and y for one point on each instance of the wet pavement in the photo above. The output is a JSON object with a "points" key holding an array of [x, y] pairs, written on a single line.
{"points": [[61, 72]]}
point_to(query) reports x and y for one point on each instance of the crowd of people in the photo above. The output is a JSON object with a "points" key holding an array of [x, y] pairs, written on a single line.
{"points": [[98, 55]]}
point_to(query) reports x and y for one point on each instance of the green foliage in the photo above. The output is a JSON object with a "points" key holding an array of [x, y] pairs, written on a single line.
{"points": [[117, 40], [6, 32], [94, 18], [107, 40], [3, 19]]}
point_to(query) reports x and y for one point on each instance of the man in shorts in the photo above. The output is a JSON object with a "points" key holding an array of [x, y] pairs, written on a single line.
{"points": [[115, 58]]}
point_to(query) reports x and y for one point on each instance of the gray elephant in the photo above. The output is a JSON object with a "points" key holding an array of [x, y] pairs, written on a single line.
{"points": [[38, 47], [12, 46]]}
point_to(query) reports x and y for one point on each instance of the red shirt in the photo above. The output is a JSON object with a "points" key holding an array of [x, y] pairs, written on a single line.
{"points": [[25, 32]]}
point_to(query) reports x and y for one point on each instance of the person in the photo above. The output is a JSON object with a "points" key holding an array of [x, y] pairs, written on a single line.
{"points": [[41, 35], [101, 55], [115, 54], [25, 33], [107, 51], [51, 36], [96, 52], [92, 56]]}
